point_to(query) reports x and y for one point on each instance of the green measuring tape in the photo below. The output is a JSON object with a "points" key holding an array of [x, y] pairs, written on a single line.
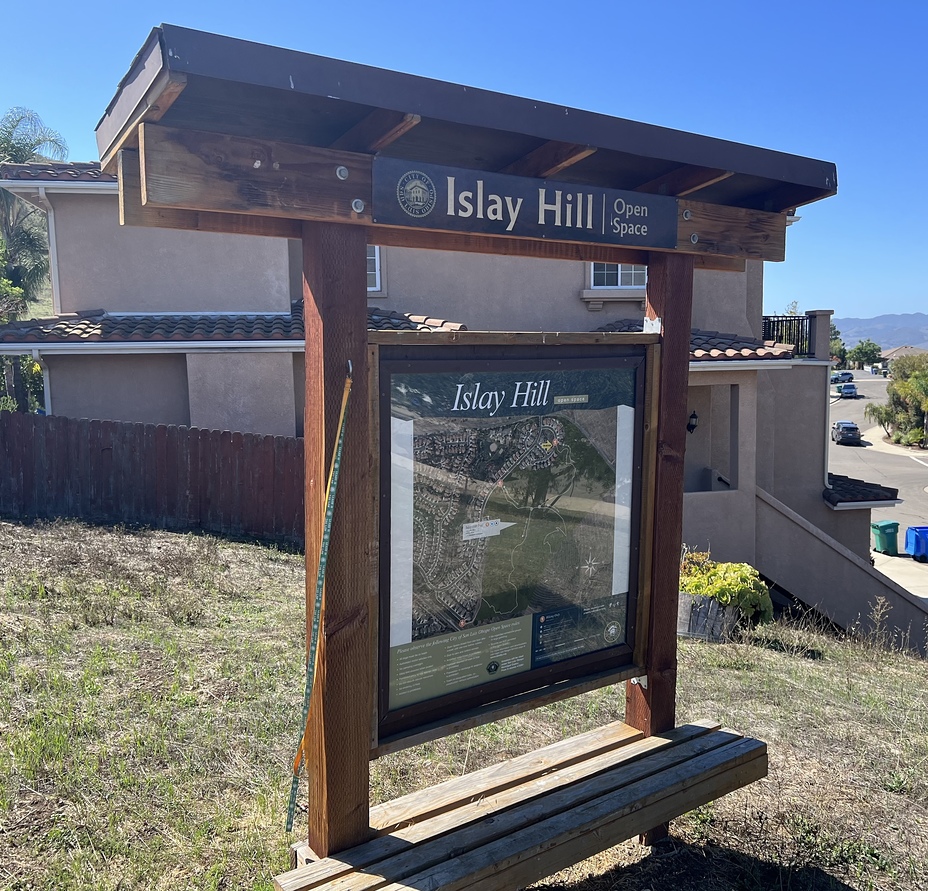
{"points": [[317, 606]]}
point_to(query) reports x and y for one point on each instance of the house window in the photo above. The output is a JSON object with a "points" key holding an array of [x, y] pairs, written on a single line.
{"points": [[373, 267], [619, 275]]}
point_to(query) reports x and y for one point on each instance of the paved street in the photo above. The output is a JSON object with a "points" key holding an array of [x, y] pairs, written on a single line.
{"points": [[879, 462]]}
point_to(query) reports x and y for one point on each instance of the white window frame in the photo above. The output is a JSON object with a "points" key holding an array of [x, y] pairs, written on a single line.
{"points": [[373, 254], [618, 269]]}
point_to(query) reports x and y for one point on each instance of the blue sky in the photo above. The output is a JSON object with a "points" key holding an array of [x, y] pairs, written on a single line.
{"points": [[841, 82]]}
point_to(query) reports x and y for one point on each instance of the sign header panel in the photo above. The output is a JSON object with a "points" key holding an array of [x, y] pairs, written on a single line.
{"points": [[428, 196]]}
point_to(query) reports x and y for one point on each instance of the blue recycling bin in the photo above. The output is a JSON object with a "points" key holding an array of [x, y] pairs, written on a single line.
{"points": [[916, 543]]}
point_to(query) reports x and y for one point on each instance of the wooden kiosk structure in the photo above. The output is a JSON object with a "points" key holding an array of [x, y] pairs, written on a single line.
{"points": [[220, 135]]}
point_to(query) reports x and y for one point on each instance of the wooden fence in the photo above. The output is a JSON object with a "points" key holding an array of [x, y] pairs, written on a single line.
{"points": [[175, 478]]}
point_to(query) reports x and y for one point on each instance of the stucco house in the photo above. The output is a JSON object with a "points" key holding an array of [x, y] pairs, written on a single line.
{"points": [[205, 330]]}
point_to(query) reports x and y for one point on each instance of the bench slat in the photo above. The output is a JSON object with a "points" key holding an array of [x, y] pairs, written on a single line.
{"points": [[426, 802], [416, 847], [567, 838]]}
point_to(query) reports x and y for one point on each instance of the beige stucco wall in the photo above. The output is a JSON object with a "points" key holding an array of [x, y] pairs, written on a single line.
{"points": [[792, 451], [514, 293], [299, 389], [140, 388], [242, 391], [722, 522], [494, 293], [842, 586], [102, 265], [731, 302]]}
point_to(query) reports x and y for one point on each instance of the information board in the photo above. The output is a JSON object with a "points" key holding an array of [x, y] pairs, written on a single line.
{"points": [[512, 552]]}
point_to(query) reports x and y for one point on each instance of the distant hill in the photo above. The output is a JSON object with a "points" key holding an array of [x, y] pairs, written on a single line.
{"points": [[891, 330]]}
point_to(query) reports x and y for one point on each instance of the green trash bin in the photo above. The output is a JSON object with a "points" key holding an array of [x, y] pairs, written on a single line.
{"points": [[885, 533]]}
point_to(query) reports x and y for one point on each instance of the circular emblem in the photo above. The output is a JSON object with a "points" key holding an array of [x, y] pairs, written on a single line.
{"points": [[416, 193], [612, 632]]}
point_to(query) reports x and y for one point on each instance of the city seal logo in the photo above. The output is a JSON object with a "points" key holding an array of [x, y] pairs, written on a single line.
{"points": [[416, 193]]}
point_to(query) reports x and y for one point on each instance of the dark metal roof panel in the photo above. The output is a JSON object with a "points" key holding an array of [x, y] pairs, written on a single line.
{"points": [[240, 87]]}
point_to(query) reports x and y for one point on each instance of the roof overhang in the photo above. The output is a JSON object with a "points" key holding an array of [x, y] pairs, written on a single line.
{"points": [[33, 190], [863, 505], [104, 348], [210, 133]]}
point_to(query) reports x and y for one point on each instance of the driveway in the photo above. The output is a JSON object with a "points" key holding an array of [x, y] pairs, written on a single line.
{"points": [[879, 462]]}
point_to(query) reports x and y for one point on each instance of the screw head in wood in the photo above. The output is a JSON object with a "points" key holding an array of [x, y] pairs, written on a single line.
{"points": [[694, 238], [341, 172], [357, 205], [686, 214]]}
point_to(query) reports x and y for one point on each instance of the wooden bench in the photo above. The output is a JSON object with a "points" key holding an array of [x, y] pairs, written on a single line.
{"points": [[514, 823]]}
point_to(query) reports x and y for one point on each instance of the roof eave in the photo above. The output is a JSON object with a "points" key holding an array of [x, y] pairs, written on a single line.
{"points": [[173, 55], [862, 505]]}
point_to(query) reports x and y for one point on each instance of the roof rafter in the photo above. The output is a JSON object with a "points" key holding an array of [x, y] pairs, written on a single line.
{"points": [[549, 159], [376, 131], [684, 180]]}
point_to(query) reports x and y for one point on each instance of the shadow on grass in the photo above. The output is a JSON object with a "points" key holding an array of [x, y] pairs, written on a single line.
{"points": [[674, 865], [771, 643]]}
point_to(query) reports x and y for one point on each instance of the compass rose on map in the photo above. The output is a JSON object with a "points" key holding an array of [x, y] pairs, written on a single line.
{"points": [[590, 565]]}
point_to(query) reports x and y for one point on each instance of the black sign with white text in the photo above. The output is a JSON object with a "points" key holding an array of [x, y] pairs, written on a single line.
{"points": [[427, 196]]}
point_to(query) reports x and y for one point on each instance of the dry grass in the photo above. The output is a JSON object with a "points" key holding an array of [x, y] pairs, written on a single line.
{"points": [[150, 687]]}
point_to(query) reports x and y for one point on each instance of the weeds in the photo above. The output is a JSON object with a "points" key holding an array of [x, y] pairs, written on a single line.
{"points": [[149, 695]]}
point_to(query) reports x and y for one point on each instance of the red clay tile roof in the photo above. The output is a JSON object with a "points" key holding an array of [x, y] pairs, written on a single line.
{"points": [[98, 326], [52, 171], [387, 320], [713, 346], [846, 490]]}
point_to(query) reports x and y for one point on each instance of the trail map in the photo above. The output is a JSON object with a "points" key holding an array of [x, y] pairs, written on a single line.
{"points": [[511, 503]]}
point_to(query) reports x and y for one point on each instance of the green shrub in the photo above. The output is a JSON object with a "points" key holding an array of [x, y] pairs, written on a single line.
{"points": [[731, 584], [897, 437]]}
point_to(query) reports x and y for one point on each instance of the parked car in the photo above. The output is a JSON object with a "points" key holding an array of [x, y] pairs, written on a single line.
{"points": [[845, 433], [841, 377], [846, 391]]}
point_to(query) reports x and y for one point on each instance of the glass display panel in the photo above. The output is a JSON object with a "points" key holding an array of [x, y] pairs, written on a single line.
{"points": [[512, 492]]}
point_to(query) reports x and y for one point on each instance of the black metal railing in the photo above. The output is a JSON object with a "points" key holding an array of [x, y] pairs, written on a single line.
{"points": [[796, 330]]}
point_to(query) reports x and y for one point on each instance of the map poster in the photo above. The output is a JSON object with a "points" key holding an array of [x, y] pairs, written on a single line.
{"points": [[511, 490]]}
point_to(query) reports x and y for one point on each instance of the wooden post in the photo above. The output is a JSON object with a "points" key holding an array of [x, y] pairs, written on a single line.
{"points": [[338, 750], [669, 298]]}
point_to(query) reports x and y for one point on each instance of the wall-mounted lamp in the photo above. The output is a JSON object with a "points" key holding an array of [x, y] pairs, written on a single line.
{"points": [[692, 422]]}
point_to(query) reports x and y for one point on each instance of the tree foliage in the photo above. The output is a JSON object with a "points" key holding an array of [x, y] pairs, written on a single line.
{"points": [[23, 234], [865, 353], [836, 348], [24, 138], [905, 414]]}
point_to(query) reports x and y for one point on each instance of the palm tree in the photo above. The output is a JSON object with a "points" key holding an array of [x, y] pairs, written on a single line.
{"points": [[24, 138], [23, 239]]}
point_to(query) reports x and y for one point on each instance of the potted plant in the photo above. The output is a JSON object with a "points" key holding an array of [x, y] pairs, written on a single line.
{"points": [[715, 597]]}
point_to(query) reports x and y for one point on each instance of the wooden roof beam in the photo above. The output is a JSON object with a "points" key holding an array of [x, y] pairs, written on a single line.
{"points": [[194, 170], [376, 131], [549, 160], [684, 180], [133, 213], [218, 174]]}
